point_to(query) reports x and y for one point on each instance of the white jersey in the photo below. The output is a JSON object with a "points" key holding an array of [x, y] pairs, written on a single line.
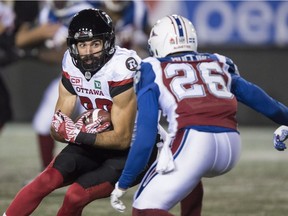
{"points": [[112, 79], [193, 91]]}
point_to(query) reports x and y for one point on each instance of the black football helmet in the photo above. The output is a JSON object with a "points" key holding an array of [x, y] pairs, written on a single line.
{"points": [[86, 25]]}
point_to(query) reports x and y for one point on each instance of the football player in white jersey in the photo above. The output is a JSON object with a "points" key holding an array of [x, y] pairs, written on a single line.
{"points": [[198, 94], [130, 17], [101, 75]]}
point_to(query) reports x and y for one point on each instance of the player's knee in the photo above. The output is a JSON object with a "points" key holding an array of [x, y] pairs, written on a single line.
{"points": [[45, 182], [76, 196]]}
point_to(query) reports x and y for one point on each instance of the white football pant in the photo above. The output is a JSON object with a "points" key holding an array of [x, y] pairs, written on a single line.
{"points": [[199, 154]]}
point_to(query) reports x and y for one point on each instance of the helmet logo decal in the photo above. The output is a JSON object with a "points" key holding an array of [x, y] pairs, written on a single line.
{"points": [[153, 33], [191, 40], [131, 64], [111, 51], [83, 32], [172, 41], [109, 20], [106, 45]]}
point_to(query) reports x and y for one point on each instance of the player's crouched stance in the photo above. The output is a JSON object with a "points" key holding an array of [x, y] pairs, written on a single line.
{"points": [[101, 75], [202, 127], [198, 93]]}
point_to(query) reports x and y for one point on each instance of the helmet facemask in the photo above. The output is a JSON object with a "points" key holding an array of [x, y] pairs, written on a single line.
{"points": [[89, 25], [93, 62]]}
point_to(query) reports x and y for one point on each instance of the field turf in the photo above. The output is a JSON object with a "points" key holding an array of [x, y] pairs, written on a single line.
{"points": [[258, 186]]}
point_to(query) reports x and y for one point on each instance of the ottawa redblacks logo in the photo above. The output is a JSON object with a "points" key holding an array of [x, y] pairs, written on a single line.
{"points": [[131, 64]]}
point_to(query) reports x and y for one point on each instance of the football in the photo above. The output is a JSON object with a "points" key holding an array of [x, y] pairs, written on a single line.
{"points": [[95, 114], [91, 123]]}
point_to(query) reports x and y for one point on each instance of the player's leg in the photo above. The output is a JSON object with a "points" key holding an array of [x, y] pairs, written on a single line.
{"points": [[30, 196], [150, 212], [191, 205], [60, 172], [95, 184], [215, 156], [46, 148], [42, 122]]}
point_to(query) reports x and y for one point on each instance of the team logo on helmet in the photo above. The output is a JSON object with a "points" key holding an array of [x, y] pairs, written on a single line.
{"points": [[131, 64], [172, 41], [83, 32], [153, 33]]}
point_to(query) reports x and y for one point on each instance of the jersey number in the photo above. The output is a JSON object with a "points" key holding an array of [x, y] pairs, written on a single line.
{"points": [[186, 86], [101, 103]]}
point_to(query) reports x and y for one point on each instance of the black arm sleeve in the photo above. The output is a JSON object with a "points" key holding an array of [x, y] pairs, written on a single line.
{"points": [[67, 84]]}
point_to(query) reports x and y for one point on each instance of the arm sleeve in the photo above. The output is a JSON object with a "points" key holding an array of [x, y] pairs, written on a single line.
{"points": [[140, 152], [67, 84], [256, 98]]}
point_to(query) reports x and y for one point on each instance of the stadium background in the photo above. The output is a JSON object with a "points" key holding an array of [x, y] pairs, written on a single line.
{"points": [[254, 34]]}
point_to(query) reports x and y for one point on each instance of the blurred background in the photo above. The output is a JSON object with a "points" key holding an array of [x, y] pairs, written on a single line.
{"points": [[254, 34]]}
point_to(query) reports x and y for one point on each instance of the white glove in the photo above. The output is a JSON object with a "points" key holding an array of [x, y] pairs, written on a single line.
{"points": [[280, 135], [165, 162], [163, 137], [116, 203], [162, 132]]}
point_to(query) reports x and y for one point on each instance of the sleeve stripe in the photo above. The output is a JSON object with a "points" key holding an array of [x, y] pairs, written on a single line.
{"points": [[120, 83]]}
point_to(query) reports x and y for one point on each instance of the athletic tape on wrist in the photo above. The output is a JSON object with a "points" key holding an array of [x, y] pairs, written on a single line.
{"points": [[86, 138]]}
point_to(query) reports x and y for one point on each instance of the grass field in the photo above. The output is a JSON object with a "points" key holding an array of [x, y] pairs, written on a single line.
{"points": [[258, 186]]}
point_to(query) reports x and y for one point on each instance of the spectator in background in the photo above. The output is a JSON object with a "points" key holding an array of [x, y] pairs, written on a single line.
{"points": [[131, 23], [7, 55], [160, 8]]}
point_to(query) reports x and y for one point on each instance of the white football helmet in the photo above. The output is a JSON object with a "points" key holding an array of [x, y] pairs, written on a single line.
{"points": [[172, 34]]}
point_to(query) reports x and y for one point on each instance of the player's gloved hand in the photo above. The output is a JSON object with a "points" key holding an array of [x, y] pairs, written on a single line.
{"points": [[280, 135], [64, 126], [116, 203], [80, 123], [96, 126]]}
